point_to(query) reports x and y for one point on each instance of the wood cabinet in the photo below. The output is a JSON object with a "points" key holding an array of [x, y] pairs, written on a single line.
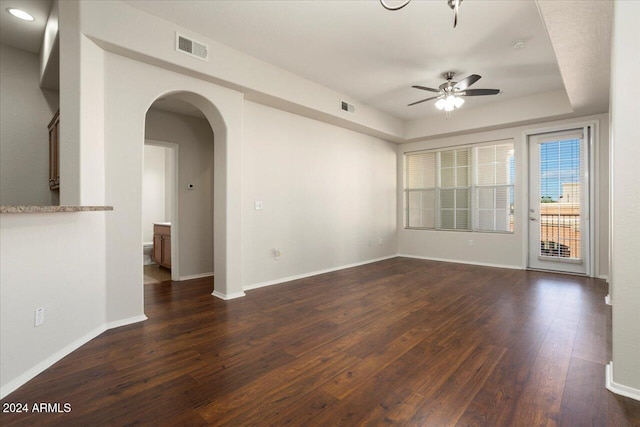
{"points": [[54, 152], [162, 245]]}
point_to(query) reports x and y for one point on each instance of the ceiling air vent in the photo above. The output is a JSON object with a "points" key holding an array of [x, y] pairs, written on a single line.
{"points": [[345, 106], [192, 47]]}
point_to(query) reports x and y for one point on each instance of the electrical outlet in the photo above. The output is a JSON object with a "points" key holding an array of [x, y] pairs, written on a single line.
{"points": [[370, 242], [276, 254], [39, 319], [257, 205], [470, 242]]}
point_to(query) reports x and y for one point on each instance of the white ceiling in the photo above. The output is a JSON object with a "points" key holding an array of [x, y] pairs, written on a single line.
{"points": [[374, 55], [23, 34]]}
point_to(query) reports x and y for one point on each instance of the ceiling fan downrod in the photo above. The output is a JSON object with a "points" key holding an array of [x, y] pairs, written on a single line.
{"points": [[453, 4]]}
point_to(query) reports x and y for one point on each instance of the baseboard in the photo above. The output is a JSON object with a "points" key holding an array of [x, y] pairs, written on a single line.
{"points": [[57, 356], [128, 321], [22, 379], [620, 389], [195, 276], [314, 273], [457, 261], [227, 297], [607, 299], [604, 277]]}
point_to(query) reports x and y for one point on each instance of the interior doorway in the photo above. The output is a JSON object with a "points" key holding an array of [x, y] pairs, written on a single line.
{"points": [[183, 243], [160, 212], [559, 223]]}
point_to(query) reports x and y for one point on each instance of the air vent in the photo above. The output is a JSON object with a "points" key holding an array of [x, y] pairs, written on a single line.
{"points": [[192, 47], [345, 106]]}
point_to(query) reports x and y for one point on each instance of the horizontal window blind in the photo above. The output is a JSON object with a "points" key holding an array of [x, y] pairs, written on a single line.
{"points": [[455, 205], [421, 189], [467, 188], [494, 188]]}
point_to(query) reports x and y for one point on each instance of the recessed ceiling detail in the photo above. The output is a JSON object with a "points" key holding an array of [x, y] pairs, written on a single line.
{"points": [[20, 14], [368, 54]]}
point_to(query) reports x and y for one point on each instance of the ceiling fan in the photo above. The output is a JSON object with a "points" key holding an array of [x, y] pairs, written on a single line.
{"points": [[450, 93]]}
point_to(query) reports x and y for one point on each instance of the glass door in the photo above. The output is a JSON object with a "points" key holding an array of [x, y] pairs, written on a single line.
{"points": [[558, 202]]}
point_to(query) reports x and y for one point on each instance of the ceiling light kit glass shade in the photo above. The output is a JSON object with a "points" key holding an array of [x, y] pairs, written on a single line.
{"points": [[449, 103], [453, 4], [20, 14]]}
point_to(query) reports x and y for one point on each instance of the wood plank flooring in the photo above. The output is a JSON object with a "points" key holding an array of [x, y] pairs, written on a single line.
{"points": [[399, 342]]}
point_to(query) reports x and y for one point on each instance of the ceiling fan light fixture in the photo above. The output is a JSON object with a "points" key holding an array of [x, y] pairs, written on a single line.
{"points": [[450, 103], [450, 95]]}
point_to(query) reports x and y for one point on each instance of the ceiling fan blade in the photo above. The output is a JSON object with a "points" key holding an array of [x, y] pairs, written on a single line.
{"points": [[467, 81], [424, 100], [455, 13], [480, 92], [430, 89]]}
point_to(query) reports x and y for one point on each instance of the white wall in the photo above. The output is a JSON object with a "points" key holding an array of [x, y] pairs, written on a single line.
{"points": [[326, 192], [109, 23], [502, 249], [154, 190], [195, 207], [625, 199], [55, 261], [130, 88], [25, 112]]}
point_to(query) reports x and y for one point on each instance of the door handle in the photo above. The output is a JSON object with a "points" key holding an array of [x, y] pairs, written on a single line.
{"points": [[532, 219]]}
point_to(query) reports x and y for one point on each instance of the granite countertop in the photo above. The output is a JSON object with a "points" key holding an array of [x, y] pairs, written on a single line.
{"points": [[52, 209]]}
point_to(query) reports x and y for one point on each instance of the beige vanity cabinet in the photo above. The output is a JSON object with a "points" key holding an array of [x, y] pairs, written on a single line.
{"points": [[162, 245]]}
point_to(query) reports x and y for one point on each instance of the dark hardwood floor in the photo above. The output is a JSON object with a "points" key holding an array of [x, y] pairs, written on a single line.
{"points": [[402, 341], [153, 274]]}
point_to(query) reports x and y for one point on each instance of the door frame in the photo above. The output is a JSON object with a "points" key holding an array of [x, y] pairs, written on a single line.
{"points": [[173, 194], [591, 131]]}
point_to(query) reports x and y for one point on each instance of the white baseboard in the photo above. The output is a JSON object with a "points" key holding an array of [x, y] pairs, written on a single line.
{"points": [[314, 273], [195, 276], [607, 299], [622, 390], [457, 261], [227, 297], [128, 321], [22, 379], [57, 356]]}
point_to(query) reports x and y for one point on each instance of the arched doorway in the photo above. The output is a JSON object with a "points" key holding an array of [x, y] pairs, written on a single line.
{"points": [[218, 194], [131, 88]]}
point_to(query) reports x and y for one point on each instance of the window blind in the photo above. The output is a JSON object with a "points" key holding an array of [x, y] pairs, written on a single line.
{"points": [[467, 188], [421, 190]]}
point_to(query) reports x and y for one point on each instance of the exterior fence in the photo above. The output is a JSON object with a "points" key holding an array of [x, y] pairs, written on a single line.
{"points": [[560, 235]]}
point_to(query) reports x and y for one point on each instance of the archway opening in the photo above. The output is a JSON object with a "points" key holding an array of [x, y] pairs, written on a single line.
{"points": [[179, 226]]}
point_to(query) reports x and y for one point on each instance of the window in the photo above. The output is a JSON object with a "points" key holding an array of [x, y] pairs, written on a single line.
{"points": [[454, 190], [421, 190], [467, 188], [493, 192]]}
